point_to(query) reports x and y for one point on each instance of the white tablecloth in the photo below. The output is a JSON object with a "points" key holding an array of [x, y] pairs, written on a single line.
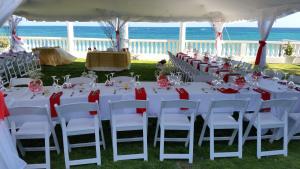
{"points": [[197, 91]]}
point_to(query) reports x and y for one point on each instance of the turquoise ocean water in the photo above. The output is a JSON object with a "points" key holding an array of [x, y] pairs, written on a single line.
{"points": [[192, 33]]}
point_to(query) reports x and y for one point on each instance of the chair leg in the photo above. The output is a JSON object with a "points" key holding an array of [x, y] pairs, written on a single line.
{"points": [[162, 143], [191, 145], [66, 150], [240, 141], [246, 134], [145, 143], [47, 151], [187, 139], [232, 137], [102, 136], [201, 138], [97, 140], [156, 133], [114, 143], [211, 143], [56, 142], [21, 148], [258, 138], [285, 139]]}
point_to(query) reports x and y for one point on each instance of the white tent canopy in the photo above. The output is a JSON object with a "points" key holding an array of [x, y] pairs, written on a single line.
{"points": [[155, 10]]}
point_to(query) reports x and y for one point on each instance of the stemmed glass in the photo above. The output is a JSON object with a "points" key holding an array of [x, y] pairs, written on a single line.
{"points": [[291, 84], [138, 83]]}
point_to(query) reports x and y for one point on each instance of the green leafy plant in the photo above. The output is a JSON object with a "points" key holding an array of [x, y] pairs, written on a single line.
{"points": [[288, 49], [4, 42]]}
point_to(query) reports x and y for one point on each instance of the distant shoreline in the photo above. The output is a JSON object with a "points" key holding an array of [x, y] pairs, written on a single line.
{"points": [[171, 33]]}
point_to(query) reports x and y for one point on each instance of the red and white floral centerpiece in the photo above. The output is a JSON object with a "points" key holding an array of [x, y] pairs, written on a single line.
{"points": [[36, 84]]}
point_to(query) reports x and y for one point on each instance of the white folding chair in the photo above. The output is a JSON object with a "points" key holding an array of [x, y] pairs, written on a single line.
{"points": [[3, 75], [19, 81], [276, 119], [80, 80], [124, 118], [84, 123], [9, 65], [33, 123], [220, 116], [21, 66], [176, 120]]}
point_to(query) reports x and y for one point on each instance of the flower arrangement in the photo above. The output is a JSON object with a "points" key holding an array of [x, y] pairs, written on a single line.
{"points": [[36, 84], [288, 49]]}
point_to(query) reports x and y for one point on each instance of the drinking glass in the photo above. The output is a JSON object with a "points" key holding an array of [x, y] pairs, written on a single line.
{"points": [[138, 83]]}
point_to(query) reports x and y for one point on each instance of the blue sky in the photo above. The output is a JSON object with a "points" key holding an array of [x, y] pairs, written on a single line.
{"points": [[291, 21]]}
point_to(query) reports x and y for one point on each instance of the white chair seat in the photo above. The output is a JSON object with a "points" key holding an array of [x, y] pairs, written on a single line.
{"points": [[222, 120], [128, 120], [81, 124], [33, 128], [174, 121], [266, 119]]}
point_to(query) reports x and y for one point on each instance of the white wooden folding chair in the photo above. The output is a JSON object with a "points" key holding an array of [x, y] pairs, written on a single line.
{"points": [[9, 65], [33, 123], [276, 119], [21, 66], [3, 75], [19, 82], [84, 123], [220, 116], [80, 80], [124, 118], [172, 119]]}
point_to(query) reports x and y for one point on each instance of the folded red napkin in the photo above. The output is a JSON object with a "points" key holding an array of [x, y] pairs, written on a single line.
{"points": [[54, 99], [265, 95], [226, 77], [184, 95], [240, 81], [93, 97], [140, 94], [226, 66], [227, 90], [3, 108]]}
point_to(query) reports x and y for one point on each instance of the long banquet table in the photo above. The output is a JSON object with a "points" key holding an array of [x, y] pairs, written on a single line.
{"points": [[197, 91]]}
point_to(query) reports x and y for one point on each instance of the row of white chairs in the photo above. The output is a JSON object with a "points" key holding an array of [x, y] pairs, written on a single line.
{"points": [[193, 74], [18, 65], [36, 123]]}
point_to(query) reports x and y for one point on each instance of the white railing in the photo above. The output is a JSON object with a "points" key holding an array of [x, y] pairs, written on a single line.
{"points": [[160, 47]]}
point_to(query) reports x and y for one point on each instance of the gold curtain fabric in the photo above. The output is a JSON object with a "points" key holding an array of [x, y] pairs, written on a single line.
{"points": [[54, 56], [108, 61]]}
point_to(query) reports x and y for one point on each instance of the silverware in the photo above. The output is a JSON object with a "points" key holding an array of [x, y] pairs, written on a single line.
{"points": [[154, 90], [32, 96], [72, 93]]}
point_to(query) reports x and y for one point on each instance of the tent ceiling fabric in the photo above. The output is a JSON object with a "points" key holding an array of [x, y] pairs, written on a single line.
{"points": [[155, 10]]}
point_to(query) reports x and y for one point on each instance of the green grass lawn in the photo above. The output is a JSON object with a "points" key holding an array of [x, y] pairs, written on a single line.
{"points": [[289, 68], [201, 154]]}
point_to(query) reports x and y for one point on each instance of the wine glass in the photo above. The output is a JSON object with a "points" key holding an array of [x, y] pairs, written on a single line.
{"points": [[291, 84], [54, 84], [138, 83]]}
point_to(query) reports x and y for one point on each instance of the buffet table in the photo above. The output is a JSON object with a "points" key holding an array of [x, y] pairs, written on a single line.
{"points": [[107, 61], [54, 56], [197, 91]]}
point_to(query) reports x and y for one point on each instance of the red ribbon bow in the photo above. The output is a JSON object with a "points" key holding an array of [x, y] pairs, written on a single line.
{"points": [[262, 43]]}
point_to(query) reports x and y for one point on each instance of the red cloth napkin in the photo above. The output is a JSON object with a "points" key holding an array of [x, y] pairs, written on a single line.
{"points": [[93, 97], [3, 108], [226, 66], [227, 90], [265, 95], [183, 94], [140, 94], [54, 99], [226, 77]]}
